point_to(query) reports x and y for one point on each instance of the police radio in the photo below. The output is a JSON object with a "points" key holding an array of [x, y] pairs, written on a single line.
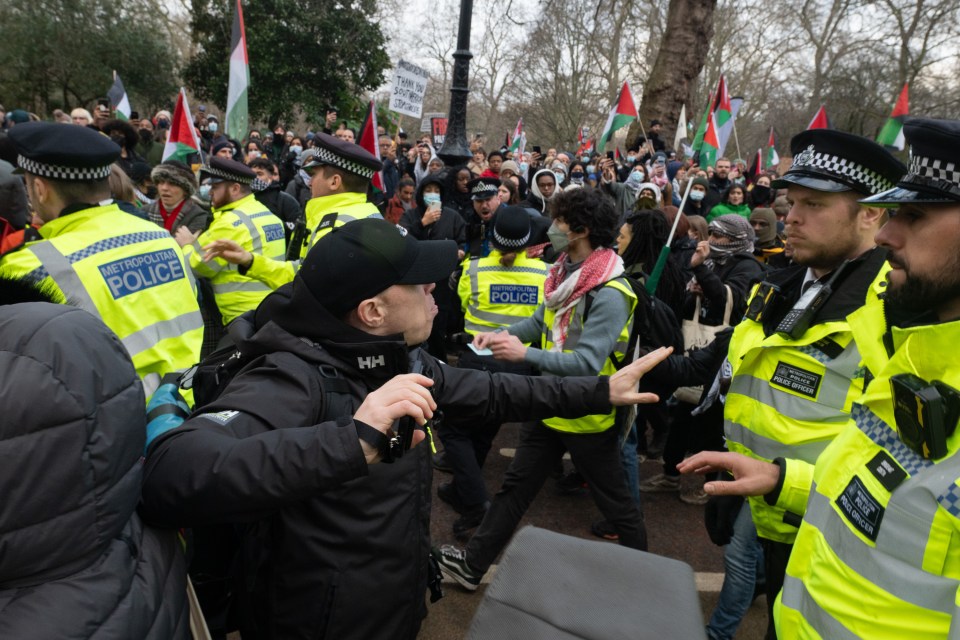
{"points": [[926, 413], [800, 317]]}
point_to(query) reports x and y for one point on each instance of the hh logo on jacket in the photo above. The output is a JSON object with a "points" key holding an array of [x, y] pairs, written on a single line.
{"points": [[369, 362]]}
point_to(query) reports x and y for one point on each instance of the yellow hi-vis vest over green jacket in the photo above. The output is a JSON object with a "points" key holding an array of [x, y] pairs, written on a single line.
{"points": [[493, 295], [878, 553], [789, 398], [323, 215], [256, 229], [599, 422], [129, 273]]}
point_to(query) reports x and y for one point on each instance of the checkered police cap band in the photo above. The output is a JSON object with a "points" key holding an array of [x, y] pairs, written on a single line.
{"points": [[935, 169], [225, 175], [325, 156], [510, 243], [829, 163], [482, 188], [58, 172]]}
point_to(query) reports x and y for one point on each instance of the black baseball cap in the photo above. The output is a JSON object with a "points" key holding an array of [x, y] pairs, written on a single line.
{"points": [[934, 172], [365, 257]]}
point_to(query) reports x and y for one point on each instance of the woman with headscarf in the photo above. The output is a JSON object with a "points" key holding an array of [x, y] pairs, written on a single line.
{"points": [[425, 154], [543, 189]]}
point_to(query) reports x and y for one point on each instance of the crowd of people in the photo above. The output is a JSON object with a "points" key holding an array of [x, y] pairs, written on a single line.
{"points": [[361, 338]]}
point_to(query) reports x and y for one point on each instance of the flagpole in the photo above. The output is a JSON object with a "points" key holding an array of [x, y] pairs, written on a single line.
{"points": [[736, 139], [654, 278]]}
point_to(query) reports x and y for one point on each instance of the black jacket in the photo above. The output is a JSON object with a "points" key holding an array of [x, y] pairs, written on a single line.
{"points": [[349, 543], [281, 204], [77, 562], [740, 272]]}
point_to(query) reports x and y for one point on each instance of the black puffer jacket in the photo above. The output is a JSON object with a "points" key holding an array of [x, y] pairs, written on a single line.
{"points": [[350, 543], [76, 560]]}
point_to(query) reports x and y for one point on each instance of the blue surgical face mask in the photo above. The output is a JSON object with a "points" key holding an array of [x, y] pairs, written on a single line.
{"points": [[631, 158], [431, 198], [636, 176], [523, 167], [204, 192], [560, 176], [296, 149], [697, 196], [212, 127], [591, 168], [584, 158]]}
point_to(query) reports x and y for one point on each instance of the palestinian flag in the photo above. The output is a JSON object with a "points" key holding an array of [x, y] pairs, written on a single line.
{"points": [[771, 159], [702, 129], [723, 114], [622, 114], [182, 142], [118, 99], [237, 119], [892, 133], [369, 141], [820, 120], [711, 144], [516, 143], [585, 144]]}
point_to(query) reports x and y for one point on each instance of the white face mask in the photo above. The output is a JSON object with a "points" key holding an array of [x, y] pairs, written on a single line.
{"points": [[431, 198], [697, 196]]}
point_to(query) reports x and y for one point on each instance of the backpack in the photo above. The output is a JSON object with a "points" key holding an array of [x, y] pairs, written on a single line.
{"points": [[655, 324], [227, 558]]}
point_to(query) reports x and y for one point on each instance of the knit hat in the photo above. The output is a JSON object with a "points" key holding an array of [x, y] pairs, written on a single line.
{"points": [[769, 233], [700, 180], [177, 174], [510, 165]]}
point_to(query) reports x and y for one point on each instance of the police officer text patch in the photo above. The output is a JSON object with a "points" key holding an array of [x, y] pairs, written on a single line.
{"points": [[137, 273], [273, 232], [795, 379], [861, 509], [514, 294]]}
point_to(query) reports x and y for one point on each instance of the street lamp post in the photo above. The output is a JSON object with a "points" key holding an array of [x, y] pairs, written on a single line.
{"points": [[455, 149]]}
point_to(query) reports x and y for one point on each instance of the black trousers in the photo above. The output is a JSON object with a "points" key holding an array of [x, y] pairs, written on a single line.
{"points": [[597, 458], [776, 555], [466, 445], [692, 434]]}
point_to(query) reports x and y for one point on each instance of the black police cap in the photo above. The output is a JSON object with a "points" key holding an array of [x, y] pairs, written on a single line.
{"points": [[483, 188], [344, 155], [226, 170], [933, 175], [63, 151], [833, 161]]}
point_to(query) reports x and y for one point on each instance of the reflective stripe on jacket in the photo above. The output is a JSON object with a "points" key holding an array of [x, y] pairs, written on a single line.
{"points": [[129, 273], [878, 553], [493, 295], [256, 229], [599, 422]]}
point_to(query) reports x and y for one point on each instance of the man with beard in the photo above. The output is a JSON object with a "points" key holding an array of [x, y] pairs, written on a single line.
{"points": [[795, 365], [880, 510]]}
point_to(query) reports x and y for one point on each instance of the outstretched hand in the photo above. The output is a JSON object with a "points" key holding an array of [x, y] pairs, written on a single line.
{"points": [[229, 250], [752, 477], [403, 395], [623, 384]]}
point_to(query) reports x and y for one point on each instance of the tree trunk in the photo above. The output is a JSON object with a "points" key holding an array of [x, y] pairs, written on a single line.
{"points": [[682, 55]]}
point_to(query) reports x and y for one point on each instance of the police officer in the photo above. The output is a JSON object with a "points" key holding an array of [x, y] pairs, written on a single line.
{"points": [[486, 201], [496, 291], [240, 217], [794, 361], [876, 553], [126, 271], [340, 174]]}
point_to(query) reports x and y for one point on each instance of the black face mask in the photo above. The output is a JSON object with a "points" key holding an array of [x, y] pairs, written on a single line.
{"points": [[151, 193], [146, 135], [120, 141], [760, 194]]}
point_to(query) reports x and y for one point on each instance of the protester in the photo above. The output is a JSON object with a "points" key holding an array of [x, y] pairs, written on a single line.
{"points": [[175, 206], [362, 296]]}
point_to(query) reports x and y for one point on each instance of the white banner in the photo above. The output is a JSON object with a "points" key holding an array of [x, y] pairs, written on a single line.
{"points": [[409, 87]]}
